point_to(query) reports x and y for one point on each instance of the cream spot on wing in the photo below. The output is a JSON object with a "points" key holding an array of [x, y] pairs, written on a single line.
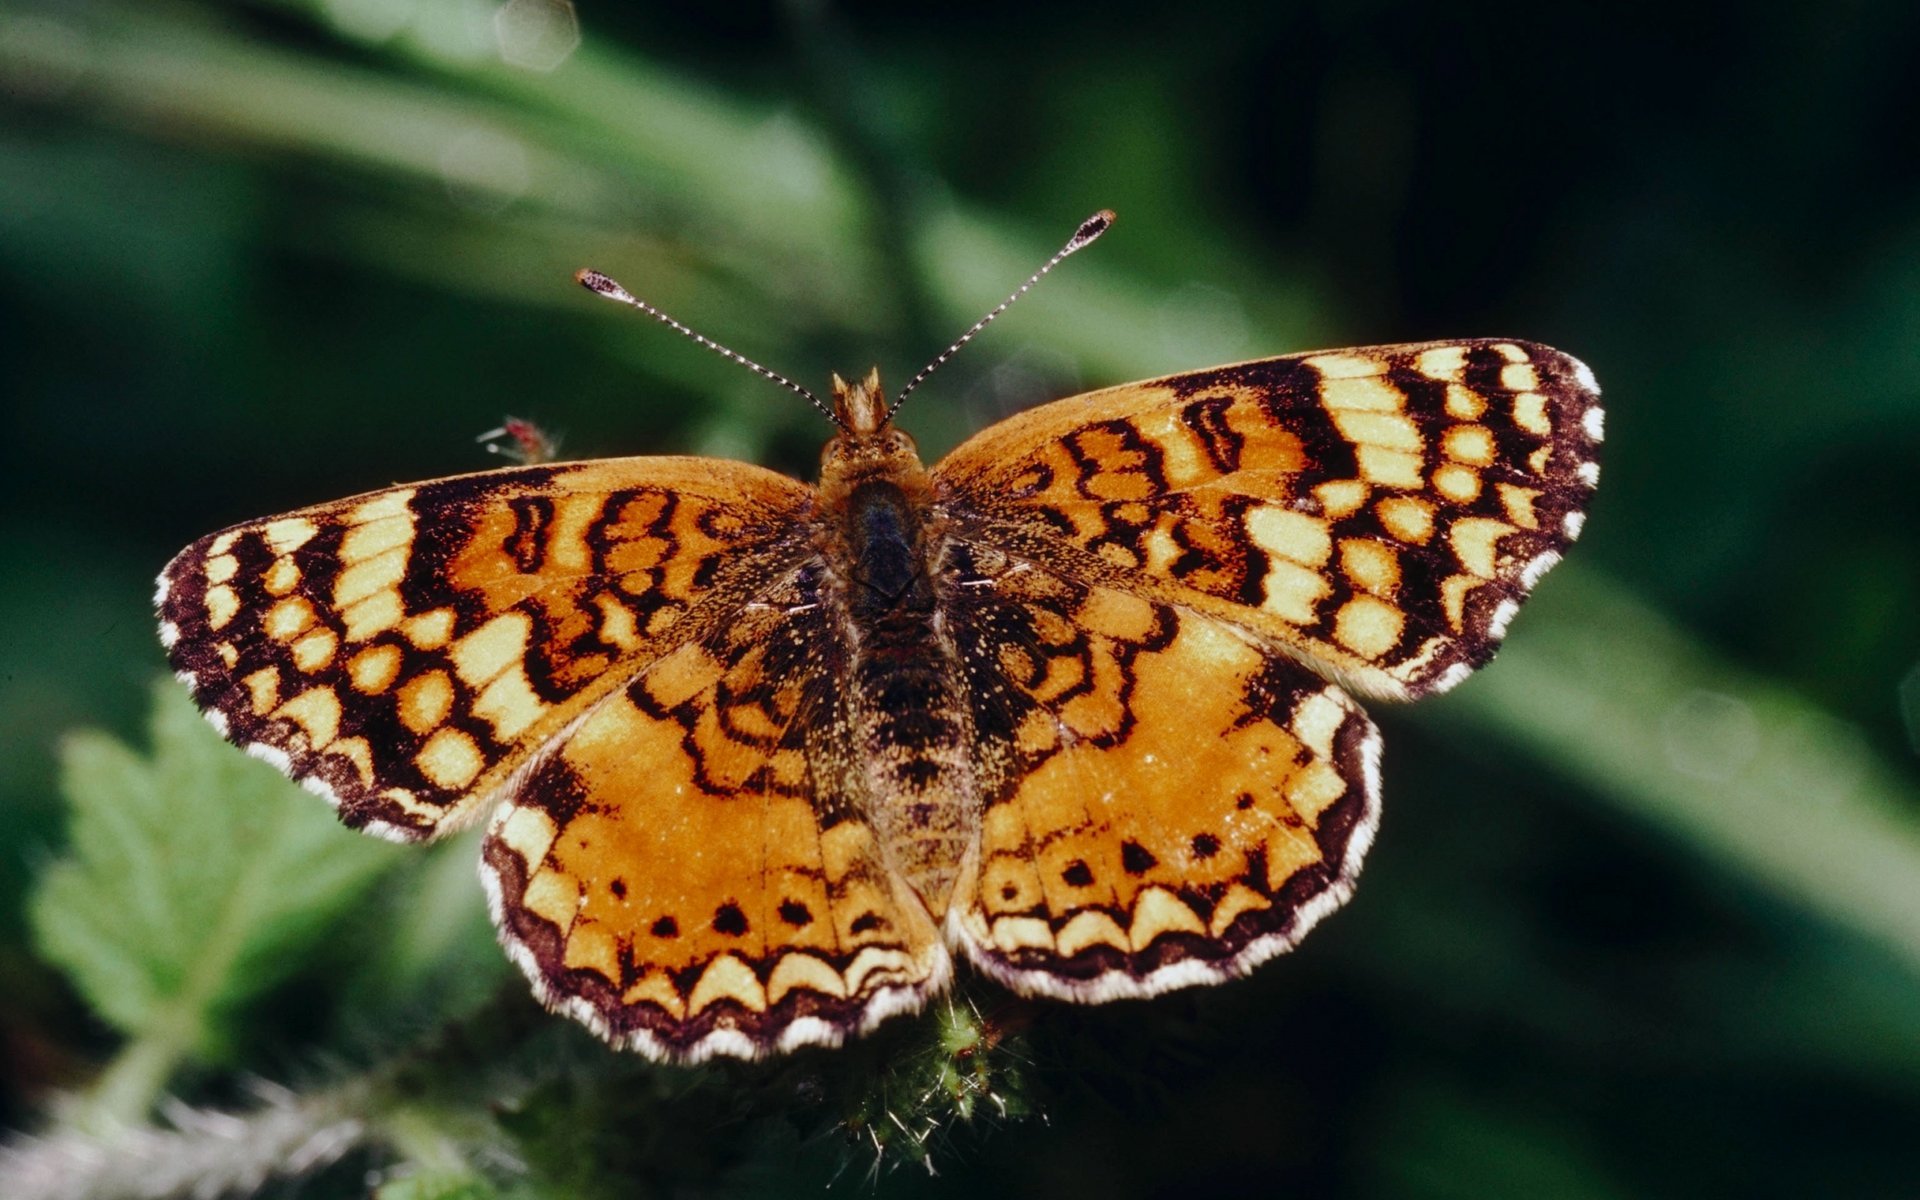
{"points": [[806, 973], [1464, 404], [1372, 566], [1011, 934], [1470, 444], [1291, 591], [1315, 720], [356, 751], [282, 577], [315, 650], [1345, 366], [528, 832], [1447, 363], [492, 648], [289, 619], [369, 576], [1406, 517], [221, 568], [288, 534], [1457, 483], [1519, 502], [1288, 534], [510, 704], [1519, 377], [1393, 468], [1474, 539], [656, 988], [1157, 912], [876, 965], [364, 542], [389, 504], [317, 711], [1583, 375], [1367, 626], [617, 627], [375, 614], [1390, 431], [553, 895], [450, 759], [1087, 929], [222, 604], [374, 669], [1347, 397], [1530, 413], [263, 687], [1510, 352], [1453, 599], [1341, 497], [425, 700], [430, 630], [591, 947], [1289, 850], [1239, 898]]}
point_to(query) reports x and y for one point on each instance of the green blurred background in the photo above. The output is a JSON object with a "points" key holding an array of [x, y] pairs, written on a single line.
{"points": [[1644, 916]]}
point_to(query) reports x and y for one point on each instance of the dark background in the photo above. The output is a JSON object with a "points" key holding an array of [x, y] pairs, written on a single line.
{"points": [[1644, 917]]}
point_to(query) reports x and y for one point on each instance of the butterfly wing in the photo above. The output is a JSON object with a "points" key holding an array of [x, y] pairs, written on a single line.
{"points": [[1179, 804], [406, 652], [1381, 512], [686, 874]]}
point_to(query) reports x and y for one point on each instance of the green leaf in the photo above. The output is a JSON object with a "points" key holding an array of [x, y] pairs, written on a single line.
{"points": [[196, 879]]}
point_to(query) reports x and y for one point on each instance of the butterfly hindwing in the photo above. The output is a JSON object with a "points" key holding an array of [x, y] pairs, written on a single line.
{"points": [[684, 873], [1381, 511], [1180, 804]]}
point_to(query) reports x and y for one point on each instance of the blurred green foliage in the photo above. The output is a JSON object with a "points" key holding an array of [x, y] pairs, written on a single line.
{"points": [[1642, 920]]}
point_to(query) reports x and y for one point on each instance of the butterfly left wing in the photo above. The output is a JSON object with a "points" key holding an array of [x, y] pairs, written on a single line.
{"points": [[687, 873], [404, 653], [1382, 511]]}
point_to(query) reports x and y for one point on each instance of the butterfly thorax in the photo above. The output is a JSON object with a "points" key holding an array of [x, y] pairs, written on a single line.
{"points": [[882, 540]]}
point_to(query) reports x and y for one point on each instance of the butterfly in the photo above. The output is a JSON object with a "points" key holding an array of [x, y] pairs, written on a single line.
{"points": [[761, 761]]}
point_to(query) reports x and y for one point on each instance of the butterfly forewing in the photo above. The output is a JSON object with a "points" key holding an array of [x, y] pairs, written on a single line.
{"points": [[405, 652], [1381, 512]]}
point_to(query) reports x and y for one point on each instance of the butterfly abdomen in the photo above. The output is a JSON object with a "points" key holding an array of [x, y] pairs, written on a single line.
{"points": [[911, 736]]}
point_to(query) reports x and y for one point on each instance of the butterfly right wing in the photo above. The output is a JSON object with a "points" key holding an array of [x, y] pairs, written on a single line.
{"points": [[404, 653], [1381, 511]]}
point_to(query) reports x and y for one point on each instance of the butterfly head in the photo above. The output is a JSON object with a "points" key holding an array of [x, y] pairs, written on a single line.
{"points": [[860, 408], [868, 446]]}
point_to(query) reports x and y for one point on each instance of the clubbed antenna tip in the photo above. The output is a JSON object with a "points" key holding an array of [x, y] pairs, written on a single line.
{"points": [[1089, 229], [609, 287]]}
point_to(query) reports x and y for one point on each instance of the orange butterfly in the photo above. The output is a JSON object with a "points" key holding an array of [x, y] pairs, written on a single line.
{"points": [[758, 759]]}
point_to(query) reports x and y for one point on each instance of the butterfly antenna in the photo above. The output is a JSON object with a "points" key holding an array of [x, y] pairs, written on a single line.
{"points": [[1090, 229], [600, 284]]}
